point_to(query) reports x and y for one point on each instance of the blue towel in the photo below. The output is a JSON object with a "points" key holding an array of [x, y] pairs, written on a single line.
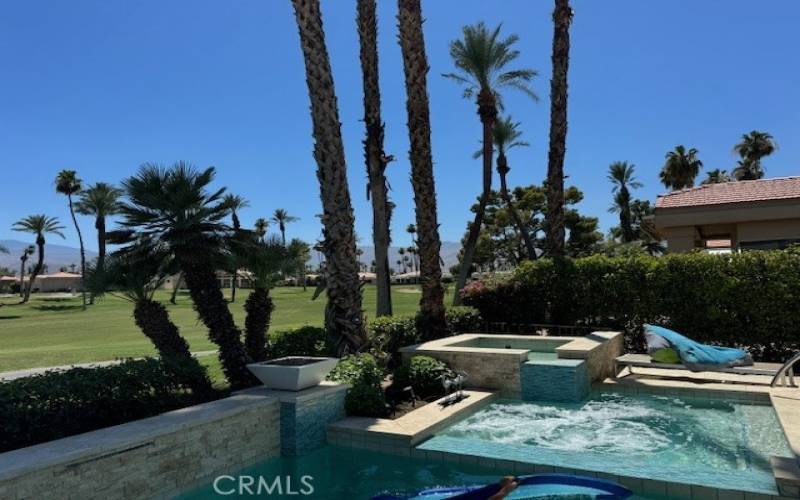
{"points": [[697, 356]]}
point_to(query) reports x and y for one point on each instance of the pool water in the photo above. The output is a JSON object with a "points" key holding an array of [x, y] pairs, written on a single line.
{"points": [[352, 474], [714, 443], [542, 356]]}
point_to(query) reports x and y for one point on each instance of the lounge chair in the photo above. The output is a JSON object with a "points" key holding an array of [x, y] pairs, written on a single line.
{"points": [[701, 358]]}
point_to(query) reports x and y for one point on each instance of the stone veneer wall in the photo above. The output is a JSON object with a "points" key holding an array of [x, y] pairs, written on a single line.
{"points": [[154, 457], [486, 370]]}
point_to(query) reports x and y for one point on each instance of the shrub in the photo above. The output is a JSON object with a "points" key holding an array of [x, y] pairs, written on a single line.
{"points": [[365, 397], [746, 299], [58, 404], [463, 319], [303, 341], [423, 374]]}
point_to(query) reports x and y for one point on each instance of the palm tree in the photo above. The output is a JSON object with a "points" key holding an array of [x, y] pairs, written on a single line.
{"points": [[135, 273], [235, 203], [23, 259], [344, 317], [68, 183], [411, 229], [482, 59], [620, 173], [554, 223], [376, 158], [680, 168], [173, 207], [281, 217], [717, 176], [100, 200], [299, 252], [752, 148], [402, 252], [267, 261], [261, 225], [431, 321], [40, 225], [506, 136]]}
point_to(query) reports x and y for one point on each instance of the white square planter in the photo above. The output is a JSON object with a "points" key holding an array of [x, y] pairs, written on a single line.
{"points": [[293, 373]]}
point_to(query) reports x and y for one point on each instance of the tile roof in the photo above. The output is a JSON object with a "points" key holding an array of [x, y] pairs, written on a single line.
{"points": [[780, 188]]}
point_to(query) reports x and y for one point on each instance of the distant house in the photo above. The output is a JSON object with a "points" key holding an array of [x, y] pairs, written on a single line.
{"points": [[731, 216], [57, 282]]}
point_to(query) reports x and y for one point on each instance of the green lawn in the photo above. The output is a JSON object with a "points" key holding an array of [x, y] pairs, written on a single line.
{"points": [[53, 331]]}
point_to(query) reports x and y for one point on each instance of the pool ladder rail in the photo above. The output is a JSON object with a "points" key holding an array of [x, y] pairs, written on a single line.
{"points": [[785, 372]]}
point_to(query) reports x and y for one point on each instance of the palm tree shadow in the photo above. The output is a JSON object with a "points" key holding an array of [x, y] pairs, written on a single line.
{"points": [[9, 317], [57, 307], [55, 299]]}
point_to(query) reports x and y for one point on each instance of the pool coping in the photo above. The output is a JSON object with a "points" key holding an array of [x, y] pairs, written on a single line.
{"points": [[398, 436]]}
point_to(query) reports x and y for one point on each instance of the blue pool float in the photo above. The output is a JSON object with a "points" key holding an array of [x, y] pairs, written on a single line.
{"points": [[600, 488]]}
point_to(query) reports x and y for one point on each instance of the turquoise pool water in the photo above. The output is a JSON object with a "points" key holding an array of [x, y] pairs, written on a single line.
{"points": [[351, 474], [713, 443], [542, 356]]}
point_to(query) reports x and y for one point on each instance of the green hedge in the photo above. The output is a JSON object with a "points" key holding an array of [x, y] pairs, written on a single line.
{"points": [[390, 333], [58, 404], [365, 397], [423, 374], [303, 341], [748, 299]]}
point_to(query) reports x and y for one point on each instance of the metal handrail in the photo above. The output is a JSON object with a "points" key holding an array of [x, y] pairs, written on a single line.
{"points": [[786, 370]]}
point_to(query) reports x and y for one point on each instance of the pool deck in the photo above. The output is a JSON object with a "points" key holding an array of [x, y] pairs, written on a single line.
{"points": [[714, 385]]}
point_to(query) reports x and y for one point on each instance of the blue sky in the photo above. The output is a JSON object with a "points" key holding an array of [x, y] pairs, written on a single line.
{"points": [[102, 86]]}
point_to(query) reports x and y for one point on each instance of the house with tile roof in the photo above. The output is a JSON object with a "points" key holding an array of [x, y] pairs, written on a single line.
{"points": [[762, 214]]}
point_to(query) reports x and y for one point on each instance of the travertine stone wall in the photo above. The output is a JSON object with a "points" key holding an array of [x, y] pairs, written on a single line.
{"points": [[151, 458]]}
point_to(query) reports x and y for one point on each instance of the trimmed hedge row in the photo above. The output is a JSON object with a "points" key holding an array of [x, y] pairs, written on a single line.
{"points": [[58, 404], [748, 299]]}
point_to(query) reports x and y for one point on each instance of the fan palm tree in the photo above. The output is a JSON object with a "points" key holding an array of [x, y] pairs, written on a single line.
{"points": [[376, 158], [281, 217], [68, 184], [620, 173], [299, 252], [506, 136], [555, 217], [415, 66], [135, 273], [173, 207], [23, 259], [717, 176], [482, 59], [344, 317], [261, 225], [40, 225], [101, 200], [402, 253], [235, 203], [752, 148], [680, 168], [411, 229]]}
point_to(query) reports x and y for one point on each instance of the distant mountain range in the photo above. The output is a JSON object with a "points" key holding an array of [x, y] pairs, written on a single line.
{"points": [[58, 256], [448, 253], [55, 256]]}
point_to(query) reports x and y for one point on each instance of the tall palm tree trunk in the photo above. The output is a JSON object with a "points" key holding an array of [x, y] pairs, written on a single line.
{"points": [[83, 250], [487, 109], [100, 226], [562, 16], [177, 286], [259, 309], [344, 316], [213, 310], [36, 270], [373, 151], [23, 261], [502, 169], [415, 64], [152, 318]]}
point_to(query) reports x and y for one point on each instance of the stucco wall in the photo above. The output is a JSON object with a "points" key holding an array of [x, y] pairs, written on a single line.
{"points": [[151, 458]]}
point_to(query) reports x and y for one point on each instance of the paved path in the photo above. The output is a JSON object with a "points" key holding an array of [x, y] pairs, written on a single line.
{"points": [[5, 376]]}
